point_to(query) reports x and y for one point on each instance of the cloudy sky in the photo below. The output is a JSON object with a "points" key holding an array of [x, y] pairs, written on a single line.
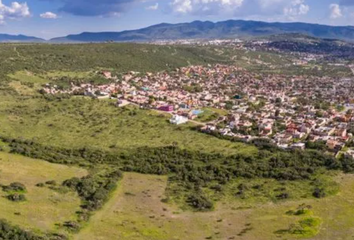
{"points": [[52, 18]]}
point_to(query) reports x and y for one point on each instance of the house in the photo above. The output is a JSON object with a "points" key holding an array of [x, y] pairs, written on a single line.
{"points": [[107, 74], [299, 135], [300, 146], [166, 108], [334, 145], [266, 128], [341, 133], [285, 139], [324, 131], [177, 119]]}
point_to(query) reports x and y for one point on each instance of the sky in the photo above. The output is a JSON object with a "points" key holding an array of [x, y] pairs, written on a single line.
{"points": [[54, 18]]}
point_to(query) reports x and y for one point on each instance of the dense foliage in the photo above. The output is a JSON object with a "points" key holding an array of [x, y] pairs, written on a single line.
{"points": [[191, 169], [94, 189], [9, 232]]}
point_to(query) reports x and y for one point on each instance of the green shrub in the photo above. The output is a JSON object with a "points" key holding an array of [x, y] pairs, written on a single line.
{"points": [[16, 197]]}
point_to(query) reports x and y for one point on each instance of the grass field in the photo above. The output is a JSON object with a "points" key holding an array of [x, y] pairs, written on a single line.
{"points": [[44, 208], [80, 122], [135, 212], [56, 74], [28, 77]]}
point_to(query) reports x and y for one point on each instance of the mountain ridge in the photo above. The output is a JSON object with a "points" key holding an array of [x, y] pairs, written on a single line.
{"points": [[212, 30], [19, 38], [199, 30]]}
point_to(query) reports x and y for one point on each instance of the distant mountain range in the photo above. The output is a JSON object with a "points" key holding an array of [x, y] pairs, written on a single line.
{"points": [[203, 30], [19, 38], [210, 30]]}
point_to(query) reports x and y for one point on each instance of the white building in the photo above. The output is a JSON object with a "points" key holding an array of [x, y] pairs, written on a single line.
{"points": [[176, 119]]}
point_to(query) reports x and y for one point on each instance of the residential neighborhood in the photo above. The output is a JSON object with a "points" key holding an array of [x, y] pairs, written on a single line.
{"points": [[292, 112]]}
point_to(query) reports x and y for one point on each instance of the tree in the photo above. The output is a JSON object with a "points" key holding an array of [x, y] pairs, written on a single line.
{"points": [[319, 193]]}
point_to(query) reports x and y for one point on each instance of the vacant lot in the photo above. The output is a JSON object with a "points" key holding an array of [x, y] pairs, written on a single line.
{"points": [[136, 212], [44, 207]]}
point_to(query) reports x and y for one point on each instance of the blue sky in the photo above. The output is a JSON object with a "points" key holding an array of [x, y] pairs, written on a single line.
{"points": [[52, 18]]}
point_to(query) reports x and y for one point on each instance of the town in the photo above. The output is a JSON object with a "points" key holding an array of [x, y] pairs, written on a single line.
{"points": [[290, 112]]}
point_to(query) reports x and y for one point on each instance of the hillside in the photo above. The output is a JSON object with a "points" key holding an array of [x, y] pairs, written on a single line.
{"points": [[210, 30]]}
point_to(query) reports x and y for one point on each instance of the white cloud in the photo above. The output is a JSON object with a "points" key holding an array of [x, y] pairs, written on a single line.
{"points": [[336, 11], [182, 6], [14, 11], [153, 7], [49, 15], [295, 9], [264, 4], [205, 6], [256, 9]]}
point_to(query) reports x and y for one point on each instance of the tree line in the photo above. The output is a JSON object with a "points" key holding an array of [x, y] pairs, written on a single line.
{"points": [[193, 170]]}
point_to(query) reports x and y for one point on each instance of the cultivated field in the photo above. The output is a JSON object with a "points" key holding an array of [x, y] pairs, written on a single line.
{"points": [[44, 208]]}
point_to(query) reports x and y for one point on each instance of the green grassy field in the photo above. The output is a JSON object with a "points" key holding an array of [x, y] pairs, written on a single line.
{"points": [[136, 211], [27, 77], [44, 208], [80, 122]]}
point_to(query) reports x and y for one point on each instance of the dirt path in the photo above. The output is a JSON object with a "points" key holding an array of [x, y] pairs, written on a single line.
{"points": [[18, 53]]}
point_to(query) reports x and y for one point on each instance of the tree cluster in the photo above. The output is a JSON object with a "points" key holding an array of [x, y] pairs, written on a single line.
{"points": [[191, 169]]}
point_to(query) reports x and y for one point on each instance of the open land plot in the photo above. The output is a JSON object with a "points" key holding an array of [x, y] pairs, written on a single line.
{"points": [[43, 207], [136, 212], [80, 122], [27, 77]]}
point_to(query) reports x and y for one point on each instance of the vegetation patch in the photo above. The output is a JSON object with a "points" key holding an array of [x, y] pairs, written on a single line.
{"points": [[208, 116], [305, 228], [8, 231], [14, 187], [31, 207]]}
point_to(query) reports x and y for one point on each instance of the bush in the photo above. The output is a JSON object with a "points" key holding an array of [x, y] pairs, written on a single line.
{"points": [[16, 197], [52, 182], [200, 202], [72, 226], [15, 187], [10, 232], [319, 193], [283, 196]]}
